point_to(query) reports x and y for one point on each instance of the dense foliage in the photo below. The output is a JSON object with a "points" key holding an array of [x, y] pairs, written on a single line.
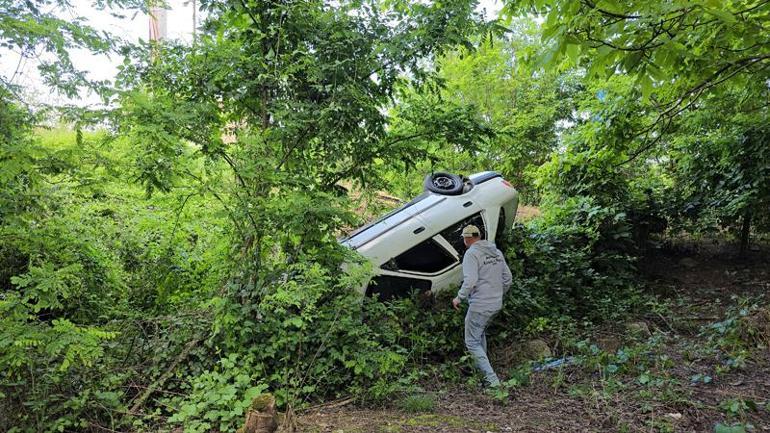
{"points": [[181, 258]]}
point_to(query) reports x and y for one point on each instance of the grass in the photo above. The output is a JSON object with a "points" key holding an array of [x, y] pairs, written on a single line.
{"points": [[417, 403]]}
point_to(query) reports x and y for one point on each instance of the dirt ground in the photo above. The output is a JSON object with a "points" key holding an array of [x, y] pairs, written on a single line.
{"points": [[682, 388], [525, 213]]}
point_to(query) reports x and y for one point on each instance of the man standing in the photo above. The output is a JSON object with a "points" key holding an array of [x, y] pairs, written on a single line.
{"points": [[486, 278]]}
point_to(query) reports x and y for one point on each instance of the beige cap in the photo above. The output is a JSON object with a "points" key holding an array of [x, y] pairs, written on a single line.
{"points": [[471, 231]]}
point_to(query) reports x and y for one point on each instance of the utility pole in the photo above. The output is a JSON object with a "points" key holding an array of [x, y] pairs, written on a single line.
{"points": [[158, 23], [195, 20]]}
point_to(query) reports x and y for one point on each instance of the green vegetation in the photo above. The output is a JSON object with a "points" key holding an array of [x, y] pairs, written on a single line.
{"points": [[169, 258], [417, 403]]}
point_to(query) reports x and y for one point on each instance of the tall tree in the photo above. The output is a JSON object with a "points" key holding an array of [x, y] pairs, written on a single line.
{"points": [[678, 51], [303, 89], [721, 164], [56, 280], [523, 106], [47, 31]]}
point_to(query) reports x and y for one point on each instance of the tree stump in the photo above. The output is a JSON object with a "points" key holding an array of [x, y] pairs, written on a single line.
{"points": [[260, 418]]}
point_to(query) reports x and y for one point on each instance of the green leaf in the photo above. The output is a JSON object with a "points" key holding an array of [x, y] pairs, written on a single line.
{"points": [[573, 53], [723, 15], [645, 82], [644, 378]]}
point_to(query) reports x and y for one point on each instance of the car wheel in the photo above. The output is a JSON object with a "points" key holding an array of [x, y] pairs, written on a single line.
{"points": [[444, 183]]}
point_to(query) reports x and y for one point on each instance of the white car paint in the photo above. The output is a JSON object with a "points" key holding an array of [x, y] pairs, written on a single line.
{"points": [[411, 247]]}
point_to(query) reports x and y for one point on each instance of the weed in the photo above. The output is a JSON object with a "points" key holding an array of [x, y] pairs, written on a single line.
{"points": [[700, 378], [661, 425], [499, 393], [737, 407], [517, 377], [579, 390], [417, 403]]}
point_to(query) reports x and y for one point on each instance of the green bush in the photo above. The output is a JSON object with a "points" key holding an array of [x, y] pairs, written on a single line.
{"points": [[218, 399], [573, 262]]}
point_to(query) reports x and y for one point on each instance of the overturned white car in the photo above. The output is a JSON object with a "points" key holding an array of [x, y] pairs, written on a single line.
{"points": [[419, 246]]}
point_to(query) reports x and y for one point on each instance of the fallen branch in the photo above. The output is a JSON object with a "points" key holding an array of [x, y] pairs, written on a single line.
{"points": [[330, 405], [164, 377]]}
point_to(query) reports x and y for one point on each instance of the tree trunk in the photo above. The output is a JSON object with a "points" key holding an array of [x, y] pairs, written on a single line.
{"points": [[745, 231], [261, 416]]}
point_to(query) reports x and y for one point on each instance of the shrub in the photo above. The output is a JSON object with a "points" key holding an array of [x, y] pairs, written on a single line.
{"points": [[573, 261], [218, 399]]}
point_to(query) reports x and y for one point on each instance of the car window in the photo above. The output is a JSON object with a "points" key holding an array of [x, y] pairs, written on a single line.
{"points": [[453, 233], [427, 257], [390, 286]]}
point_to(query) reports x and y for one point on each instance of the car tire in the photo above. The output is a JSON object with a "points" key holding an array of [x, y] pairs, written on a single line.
{"points": [[444, 183]]}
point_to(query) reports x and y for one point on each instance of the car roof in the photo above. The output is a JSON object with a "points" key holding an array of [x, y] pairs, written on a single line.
{"points": [[420, 203]]}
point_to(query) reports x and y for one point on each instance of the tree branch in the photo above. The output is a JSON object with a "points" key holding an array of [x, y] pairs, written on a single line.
{"points": [[248, 11], [216, 195], [592, 5], [693, 94], [291, 149], [165, 376]]}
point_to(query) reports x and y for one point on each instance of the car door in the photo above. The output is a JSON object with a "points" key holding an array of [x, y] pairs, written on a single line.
{"points": [[417, 268]]}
